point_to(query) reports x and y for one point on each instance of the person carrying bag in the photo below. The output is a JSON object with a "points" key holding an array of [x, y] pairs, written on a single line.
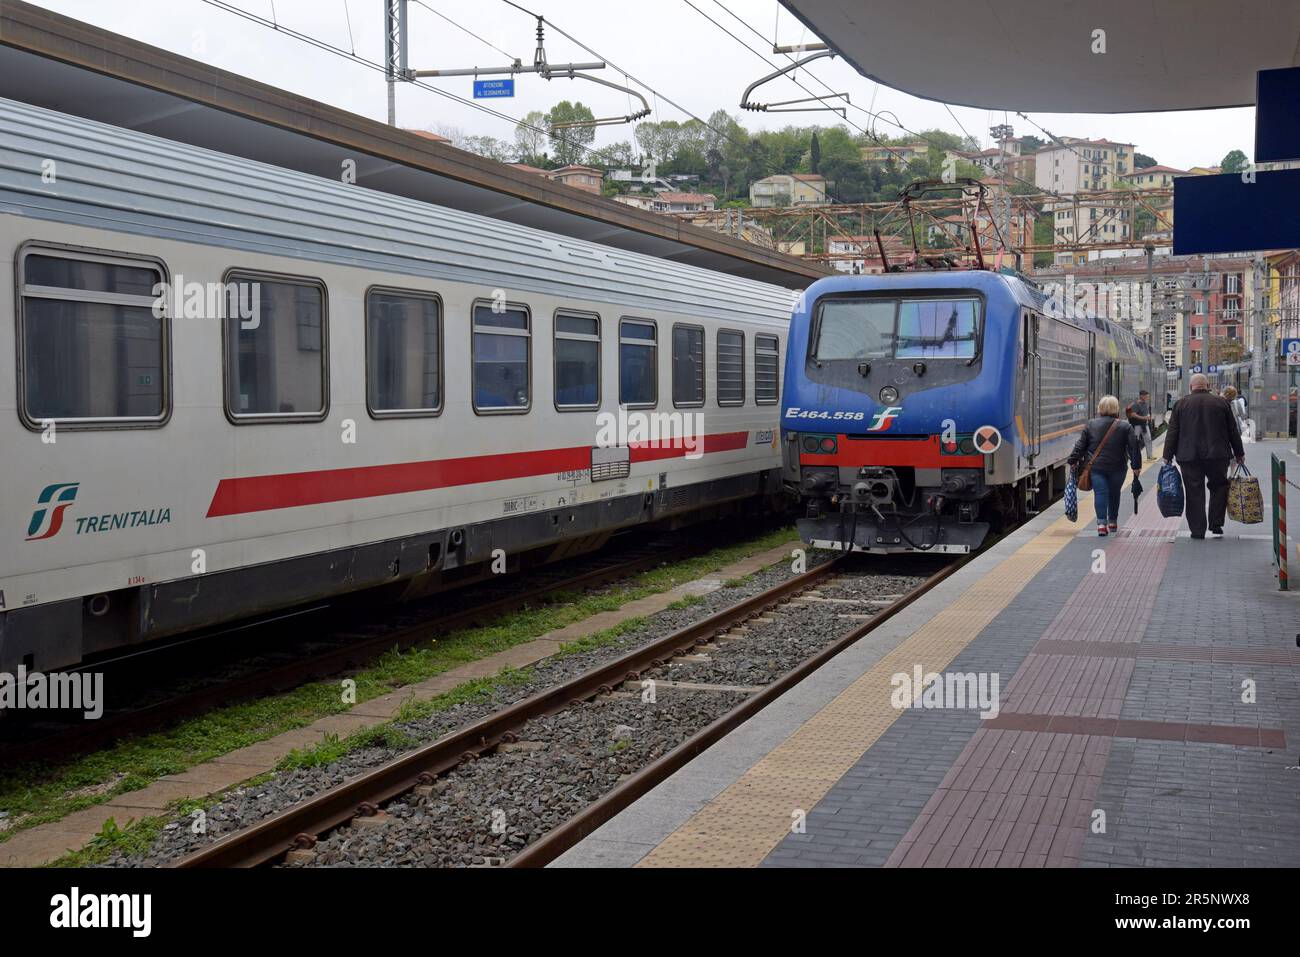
{"points": [[1113, 444], [1085, 476]]}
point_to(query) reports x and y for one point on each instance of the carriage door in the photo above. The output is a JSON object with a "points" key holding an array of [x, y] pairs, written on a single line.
{"points": [[1033, 388], [1094, 372]]}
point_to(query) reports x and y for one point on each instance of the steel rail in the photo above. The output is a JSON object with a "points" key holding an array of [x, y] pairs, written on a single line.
{"points": [[301, 824], [559, 839]]}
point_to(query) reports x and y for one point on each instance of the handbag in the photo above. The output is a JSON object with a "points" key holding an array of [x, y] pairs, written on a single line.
{"points": [[1169, 491], [1085, 475], [1071, 498], [1245, 500]]}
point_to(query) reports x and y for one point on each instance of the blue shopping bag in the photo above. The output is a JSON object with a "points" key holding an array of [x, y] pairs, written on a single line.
{"points": [[1072, 498], [1169, 491]]}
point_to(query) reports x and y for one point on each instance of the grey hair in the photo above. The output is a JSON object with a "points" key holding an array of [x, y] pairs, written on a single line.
{"points": [[1200, 382]]}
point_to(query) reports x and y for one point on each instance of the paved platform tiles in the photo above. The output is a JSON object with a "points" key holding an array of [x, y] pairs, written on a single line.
{"points": [[46, 842], [1121, 693]]}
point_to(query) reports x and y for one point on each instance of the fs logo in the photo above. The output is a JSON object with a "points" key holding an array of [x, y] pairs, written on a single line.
{"points": [[53, 501], [883, 419]]}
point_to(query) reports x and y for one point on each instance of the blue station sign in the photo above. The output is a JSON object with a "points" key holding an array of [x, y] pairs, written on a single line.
{"points": [[490, 89]]}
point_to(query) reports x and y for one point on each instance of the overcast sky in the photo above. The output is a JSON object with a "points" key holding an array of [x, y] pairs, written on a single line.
{"points": [[665, 44]]}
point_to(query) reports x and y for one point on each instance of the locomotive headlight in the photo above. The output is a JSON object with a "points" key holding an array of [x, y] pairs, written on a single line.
{"points": [[889, 395]]}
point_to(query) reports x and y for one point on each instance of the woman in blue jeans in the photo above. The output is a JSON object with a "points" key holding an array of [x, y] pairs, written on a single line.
{"points": [[1111, 445]]}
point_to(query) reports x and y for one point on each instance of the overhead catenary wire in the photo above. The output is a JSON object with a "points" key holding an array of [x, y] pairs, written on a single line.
{"points": [[348, 17], [870, 134], [371, 64], [874, 115], [879, 116], [657, 94], [467, 30]]}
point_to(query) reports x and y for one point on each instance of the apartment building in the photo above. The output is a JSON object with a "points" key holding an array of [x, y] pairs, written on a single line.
{"points": [[900, 155], [1080, 165], [790, 189]]}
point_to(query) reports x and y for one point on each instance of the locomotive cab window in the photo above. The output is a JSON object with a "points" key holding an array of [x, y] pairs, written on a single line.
{"points": [[93, 349], [767, 370], [688, 365], [577, 361], [856, 329], [932, 328], [501, 361], [275, 348], [638, 363], [403, 353], [731, 367]]}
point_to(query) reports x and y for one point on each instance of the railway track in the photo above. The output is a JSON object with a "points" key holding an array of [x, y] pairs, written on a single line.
{"points": [[293, 833], [349, 646]]}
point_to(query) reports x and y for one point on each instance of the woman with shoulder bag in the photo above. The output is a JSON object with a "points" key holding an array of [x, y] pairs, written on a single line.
{"points": [[1105, 448]]}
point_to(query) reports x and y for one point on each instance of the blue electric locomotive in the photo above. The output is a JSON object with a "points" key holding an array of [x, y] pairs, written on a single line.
{"points": [[923, 408]]}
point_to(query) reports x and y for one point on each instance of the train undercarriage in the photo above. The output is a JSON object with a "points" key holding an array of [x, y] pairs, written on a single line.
{"points": [[883, 509]]}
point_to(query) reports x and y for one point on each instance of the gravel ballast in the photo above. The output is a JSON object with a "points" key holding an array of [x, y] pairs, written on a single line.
{"points": [[483, 812]]}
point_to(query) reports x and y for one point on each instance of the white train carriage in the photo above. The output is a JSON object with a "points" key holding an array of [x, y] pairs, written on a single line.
{"points": [[238, 388]]}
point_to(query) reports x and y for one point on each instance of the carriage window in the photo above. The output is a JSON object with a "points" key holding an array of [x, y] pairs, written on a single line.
{"points": [[731, 367], [638, 377], [577, 361], [501, 379], [688, 365], [767, 369], [92, 348], [403, 353], [275, 355], [856, 330]]}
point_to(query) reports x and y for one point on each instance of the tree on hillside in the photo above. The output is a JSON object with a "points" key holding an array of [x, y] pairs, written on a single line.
{"points": [[1142, 161], [1234, 162], [660, 141], [1043, 236], [489, 146], [945, 140], [689, 155], [569, 144], [1030, 144], [531, 139], [814, 154], [622, 153], [722, 129]]}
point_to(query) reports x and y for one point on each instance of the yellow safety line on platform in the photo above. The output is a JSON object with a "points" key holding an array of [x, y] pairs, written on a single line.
{"points": [[744, 823]]}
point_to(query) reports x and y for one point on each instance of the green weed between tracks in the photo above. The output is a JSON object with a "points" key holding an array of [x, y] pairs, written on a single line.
{"points": [[39, 793]]}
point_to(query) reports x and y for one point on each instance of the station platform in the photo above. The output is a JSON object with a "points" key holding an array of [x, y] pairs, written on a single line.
{"points": [[1149, 715]]}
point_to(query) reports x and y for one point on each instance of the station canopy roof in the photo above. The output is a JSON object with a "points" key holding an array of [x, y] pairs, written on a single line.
{"points": [[73, 67], [1037, 55]]}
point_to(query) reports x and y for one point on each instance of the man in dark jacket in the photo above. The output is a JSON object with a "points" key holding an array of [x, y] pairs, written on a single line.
{"points": [[1203, 436]]}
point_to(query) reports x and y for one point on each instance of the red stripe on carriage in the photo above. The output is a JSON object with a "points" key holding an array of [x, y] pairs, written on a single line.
{"points": [[261, 493], [722, 442]]}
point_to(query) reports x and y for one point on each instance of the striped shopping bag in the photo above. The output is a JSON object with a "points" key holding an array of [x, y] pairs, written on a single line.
{"points": [[1245, 500]]}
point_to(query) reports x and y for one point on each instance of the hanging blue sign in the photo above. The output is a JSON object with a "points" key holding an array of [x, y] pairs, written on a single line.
{"points": [[489, 89]]}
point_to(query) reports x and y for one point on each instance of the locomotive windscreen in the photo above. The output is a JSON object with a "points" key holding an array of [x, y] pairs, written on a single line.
{"points": [[898, 328]]}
